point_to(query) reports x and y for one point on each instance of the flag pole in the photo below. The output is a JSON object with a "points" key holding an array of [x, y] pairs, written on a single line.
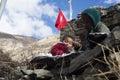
{"points": [[70, 5], [2, 6]]}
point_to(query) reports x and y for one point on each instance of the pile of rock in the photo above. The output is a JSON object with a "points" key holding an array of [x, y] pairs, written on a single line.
{"points": [[111, 16]]}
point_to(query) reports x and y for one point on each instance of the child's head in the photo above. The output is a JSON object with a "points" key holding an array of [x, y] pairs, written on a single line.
{"points": [[68, 40]]}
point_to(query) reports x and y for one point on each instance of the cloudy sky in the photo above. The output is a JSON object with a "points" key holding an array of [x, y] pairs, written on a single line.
{"points": [[37, 18]]}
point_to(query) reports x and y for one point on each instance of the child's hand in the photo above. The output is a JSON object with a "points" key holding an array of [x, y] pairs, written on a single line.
{"points": [[77, 44]]}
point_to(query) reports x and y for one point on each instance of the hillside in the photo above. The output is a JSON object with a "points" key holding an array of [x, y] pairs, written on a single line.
{"points": [[10, 42], [19, 46]]}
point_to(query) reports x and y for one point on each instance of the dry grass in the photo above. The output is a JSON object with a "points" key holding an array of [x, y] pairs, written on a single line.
{"points": [[113, 62]]}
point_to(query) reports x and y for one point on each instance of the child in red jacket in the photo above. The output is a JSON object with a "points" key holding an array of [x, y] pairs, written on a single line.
{"points": [[65, 46]]}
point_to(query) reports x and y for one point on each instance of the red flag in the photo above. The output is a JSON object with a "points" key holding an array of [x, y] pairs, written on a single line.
{"points": [[61, 21]]}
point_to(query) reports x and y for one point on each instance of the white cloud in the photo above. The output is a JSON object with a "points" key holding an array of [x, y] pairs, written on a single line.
{"points": [[112, 1], [24, 17]]}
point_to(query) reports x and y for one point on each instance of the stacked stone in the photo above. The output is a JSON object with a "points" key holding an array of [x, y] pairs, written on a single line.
{"points": [[111, 16]]}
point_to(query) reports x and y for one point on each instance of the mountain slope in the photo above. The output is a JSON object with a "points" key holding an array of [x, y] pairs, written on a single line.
{"points": [[23, 47], [10, 42]]}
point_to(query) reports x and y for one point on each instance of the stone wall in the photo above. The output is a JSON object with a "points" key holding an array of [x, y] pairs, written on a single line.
{"points": [[111, 16]]}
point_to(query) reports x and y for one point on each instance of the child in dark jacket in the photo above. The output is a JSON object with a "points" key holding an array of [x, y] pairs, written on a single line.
{"points": [[65, 46]]}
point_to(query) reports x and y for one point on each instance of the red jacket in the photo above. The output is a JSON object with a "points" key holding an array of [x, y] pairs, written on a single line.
{"points": [[59, 49]]}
